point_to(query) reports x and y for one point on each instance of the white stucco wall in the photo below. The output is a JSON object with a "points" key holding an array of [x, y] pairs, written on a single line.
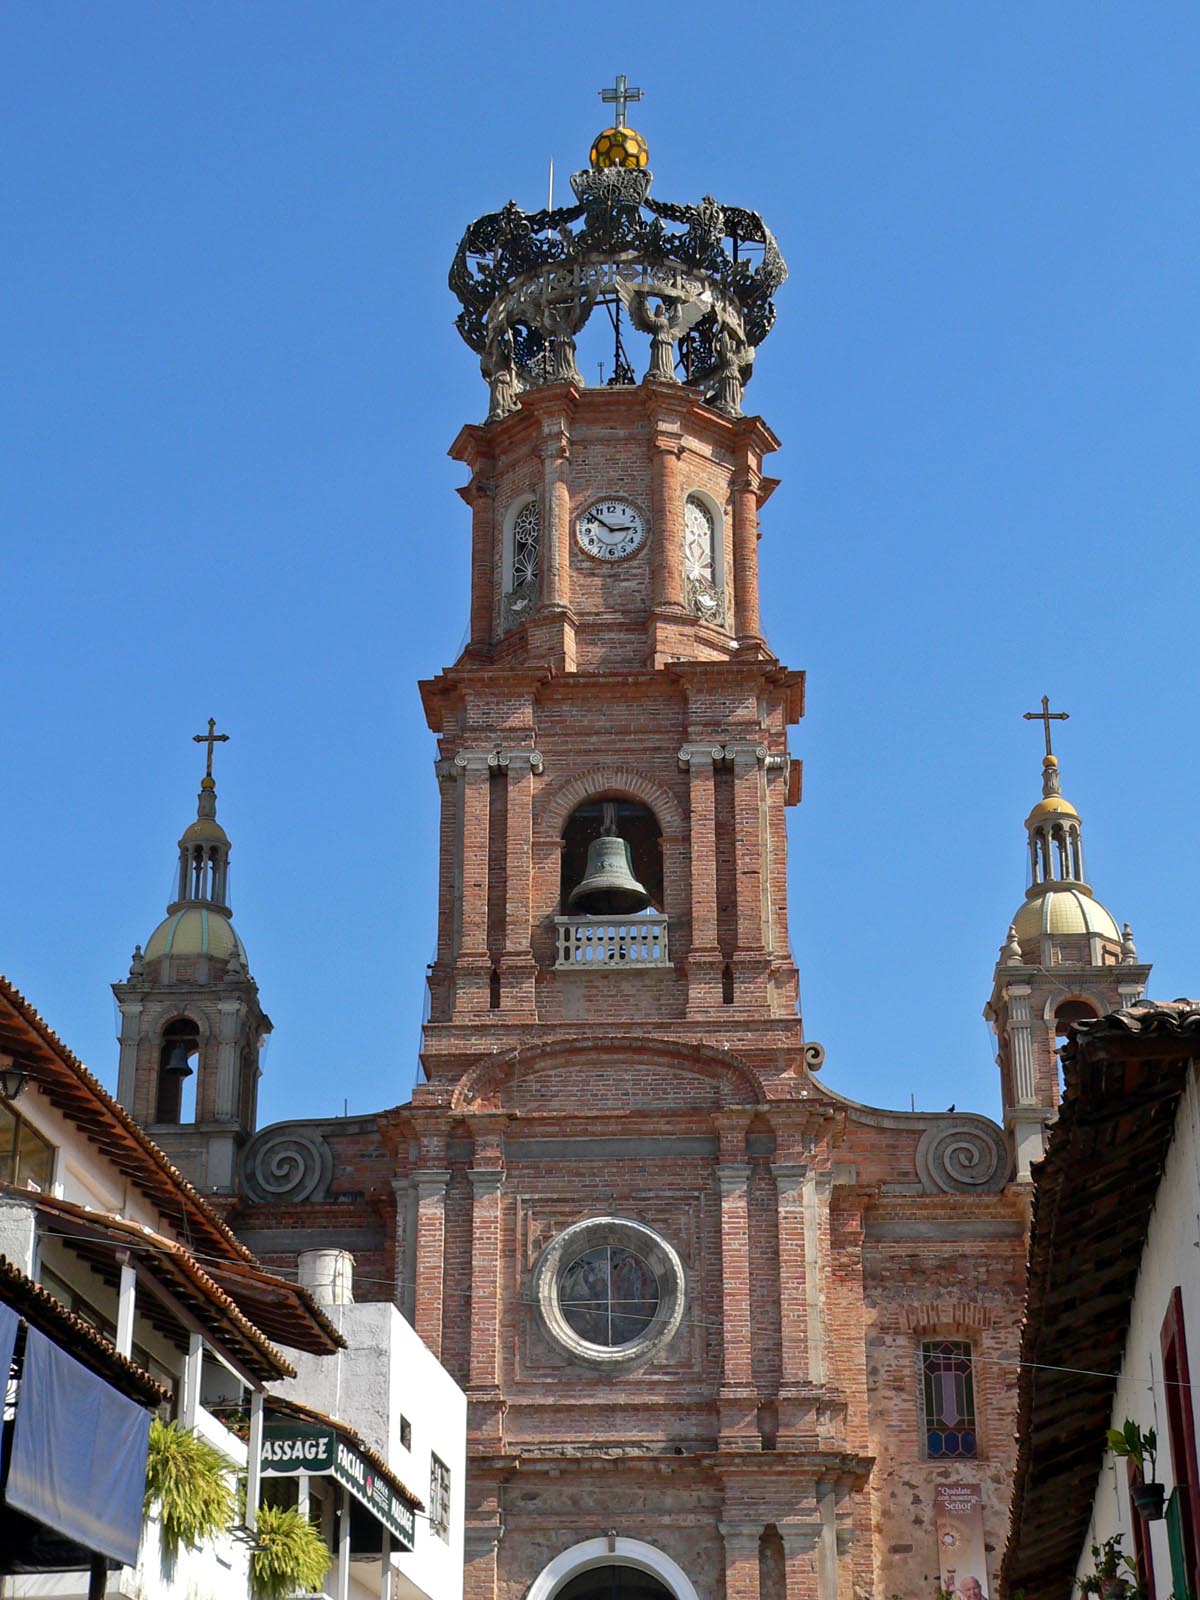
{"points": [[1171, 1260], [388, 1373], [83, 1174]]}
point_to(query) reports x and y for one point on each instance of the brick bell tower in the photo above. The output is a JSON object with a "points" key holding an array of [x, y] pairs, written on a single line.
{"points": [[614, 1221], [717, 1324]]}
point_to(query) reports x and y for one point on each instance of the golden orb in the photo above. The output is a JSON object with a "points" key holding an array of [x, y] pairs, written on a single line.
{"points": [[619, 147]]}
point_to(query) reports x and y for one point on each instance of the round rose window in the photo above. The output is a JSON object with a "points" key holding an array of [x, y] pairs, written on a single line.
{"points": [[609, 1295], [609, 1291]]}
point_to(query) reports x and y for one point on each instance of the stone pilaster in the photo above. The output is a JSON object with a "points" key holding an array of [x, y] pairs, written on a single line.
{"points": [[801, 1541], [796, 1404], [741, 1560]]}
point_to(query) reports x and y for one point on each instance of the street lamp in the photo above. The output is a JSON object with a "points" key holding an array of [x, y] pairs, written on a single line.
{"points": [[12, 1078]]}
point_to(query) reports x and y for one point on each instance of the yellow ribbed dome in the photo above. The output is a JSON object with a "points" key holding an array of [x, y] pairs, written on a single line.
{"points": [[1052, 806], [205, 830], [195, 931], [1064, 911]]}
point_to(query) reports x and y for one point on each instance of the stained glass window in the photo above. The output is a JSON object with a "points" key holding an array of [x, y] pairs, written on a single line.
{"points": [[526, 534], [608, 1296], [949, 1389]]}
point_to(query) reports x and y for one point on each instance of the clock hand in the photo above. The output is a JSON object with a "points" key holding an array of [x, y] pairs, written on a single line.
{"points": [[594, 518]]}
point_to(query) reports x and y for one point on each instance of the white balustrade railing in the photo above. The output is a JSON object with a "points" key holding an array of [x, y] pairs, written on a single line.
{"points": [[587, 944]]}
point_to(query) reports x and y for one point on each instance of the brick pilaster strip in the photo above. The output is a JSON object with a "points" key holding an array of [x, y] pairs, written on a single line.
{"points": [[745, 553], [741, 1561], [666, 574], [431, 1254], [748, 758]]}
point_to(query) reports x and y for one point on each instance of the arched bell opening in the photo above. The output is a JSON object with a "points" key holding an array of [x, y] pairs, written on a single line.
{"points": [[609, 877], [1069, 1012], [178, 1058]]}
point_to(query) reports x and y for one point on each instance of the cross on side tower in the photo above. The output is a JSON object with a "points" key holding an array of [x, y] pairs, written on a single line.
{"points": [[1045, 716], [619, 96], [210, 738]]}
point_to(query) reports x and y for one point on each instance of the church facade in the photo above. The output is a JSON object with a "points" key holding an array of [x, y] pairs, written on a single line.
{"points": [[723, 1332]]}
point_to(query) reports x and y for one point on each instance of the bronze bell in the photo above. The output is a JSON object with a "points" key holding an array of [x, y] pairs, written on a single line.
{"points": [[608, 887], [177, 1063]]}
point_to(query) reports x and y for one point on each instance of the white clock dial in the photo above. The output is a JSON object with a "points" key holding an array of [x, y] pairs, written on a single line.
{"points": [[611, 530]]}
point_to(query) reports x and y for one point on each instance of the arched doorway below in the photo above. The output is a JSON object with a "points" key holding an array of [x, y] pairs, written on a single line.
{"points": [[616, 1582], [612, 1568]]}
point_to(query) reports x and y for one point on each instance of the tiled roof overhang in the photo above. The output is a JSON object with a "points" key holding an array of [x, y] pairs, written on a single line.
{"points": [[283, 1310], [299, 1413], [188, 1294], [1095, 1190], [77, 1337], [72, 1089]]}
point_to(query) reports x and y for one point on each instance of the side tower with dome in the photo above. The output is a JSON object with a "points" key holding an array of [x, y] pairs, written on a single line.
{"points": [[192, 1026], [1064, 959]]}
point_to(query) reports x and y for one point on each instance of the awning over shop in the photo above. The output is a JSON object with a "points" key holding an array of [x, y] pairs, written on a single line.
{"points": [[290, 1448], [78, 1454]]}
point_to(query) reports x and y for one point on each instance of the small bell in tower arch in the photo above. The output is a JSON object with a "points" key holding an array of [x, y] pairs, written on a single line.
{"points": [[608, 887], [177, 1063]]}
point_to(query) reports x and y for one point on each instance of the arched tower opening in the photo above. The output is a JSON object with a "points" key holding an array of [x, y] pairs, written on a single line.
{"points": [[178, 1060], [634, 823]]}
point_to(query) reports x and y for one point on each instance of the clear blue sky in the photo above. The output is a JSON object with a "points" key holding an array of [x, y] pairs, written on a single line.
{"points": [[230, 376]]}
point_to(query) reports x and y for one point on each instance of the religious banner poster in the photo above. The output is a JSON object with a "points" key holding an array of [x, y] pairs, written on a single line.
{"points": [[962, 1559]]}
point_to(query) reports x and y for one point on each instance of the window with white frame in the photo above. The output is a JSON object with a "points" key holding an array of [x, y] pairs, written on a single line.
{"points": [[439, 1498]]}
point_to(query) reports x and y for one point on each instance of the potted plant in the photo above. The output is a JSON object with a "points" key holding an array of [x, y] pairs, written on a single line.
{"points": [[289, 1555], [1140, 1447], [188, 1479], [1106, 1579]]}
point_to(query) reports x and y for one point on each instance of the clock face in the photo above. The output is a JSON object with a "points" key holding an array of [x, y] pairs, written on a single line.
{"points": [[611, 530]]}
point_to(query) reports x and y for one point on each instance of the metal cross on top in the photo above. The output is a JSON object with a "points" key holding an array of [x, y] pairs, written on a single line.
{"points": [[1045, 716], [210, 738], [620, 95]]}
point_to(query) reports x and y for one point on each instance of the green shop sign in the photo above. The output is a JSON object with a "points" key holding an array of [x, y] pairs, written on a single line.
{"points": [[290, 1448]]}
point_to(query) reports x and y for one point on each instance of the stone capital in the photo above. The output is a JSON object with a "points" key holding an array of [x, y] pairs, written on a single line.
{"points": [[799, 1538], [732, 1176], [744, 752], [474, 760], [741, 1538], [485, 1180], [789, 1177], [521, 758], [700, 755], [431, 1182]]}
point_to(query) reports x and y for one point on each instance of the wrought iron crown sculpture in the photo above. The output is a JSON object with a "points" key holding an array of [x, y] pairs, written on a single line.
{"points": [[528, 282]]}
